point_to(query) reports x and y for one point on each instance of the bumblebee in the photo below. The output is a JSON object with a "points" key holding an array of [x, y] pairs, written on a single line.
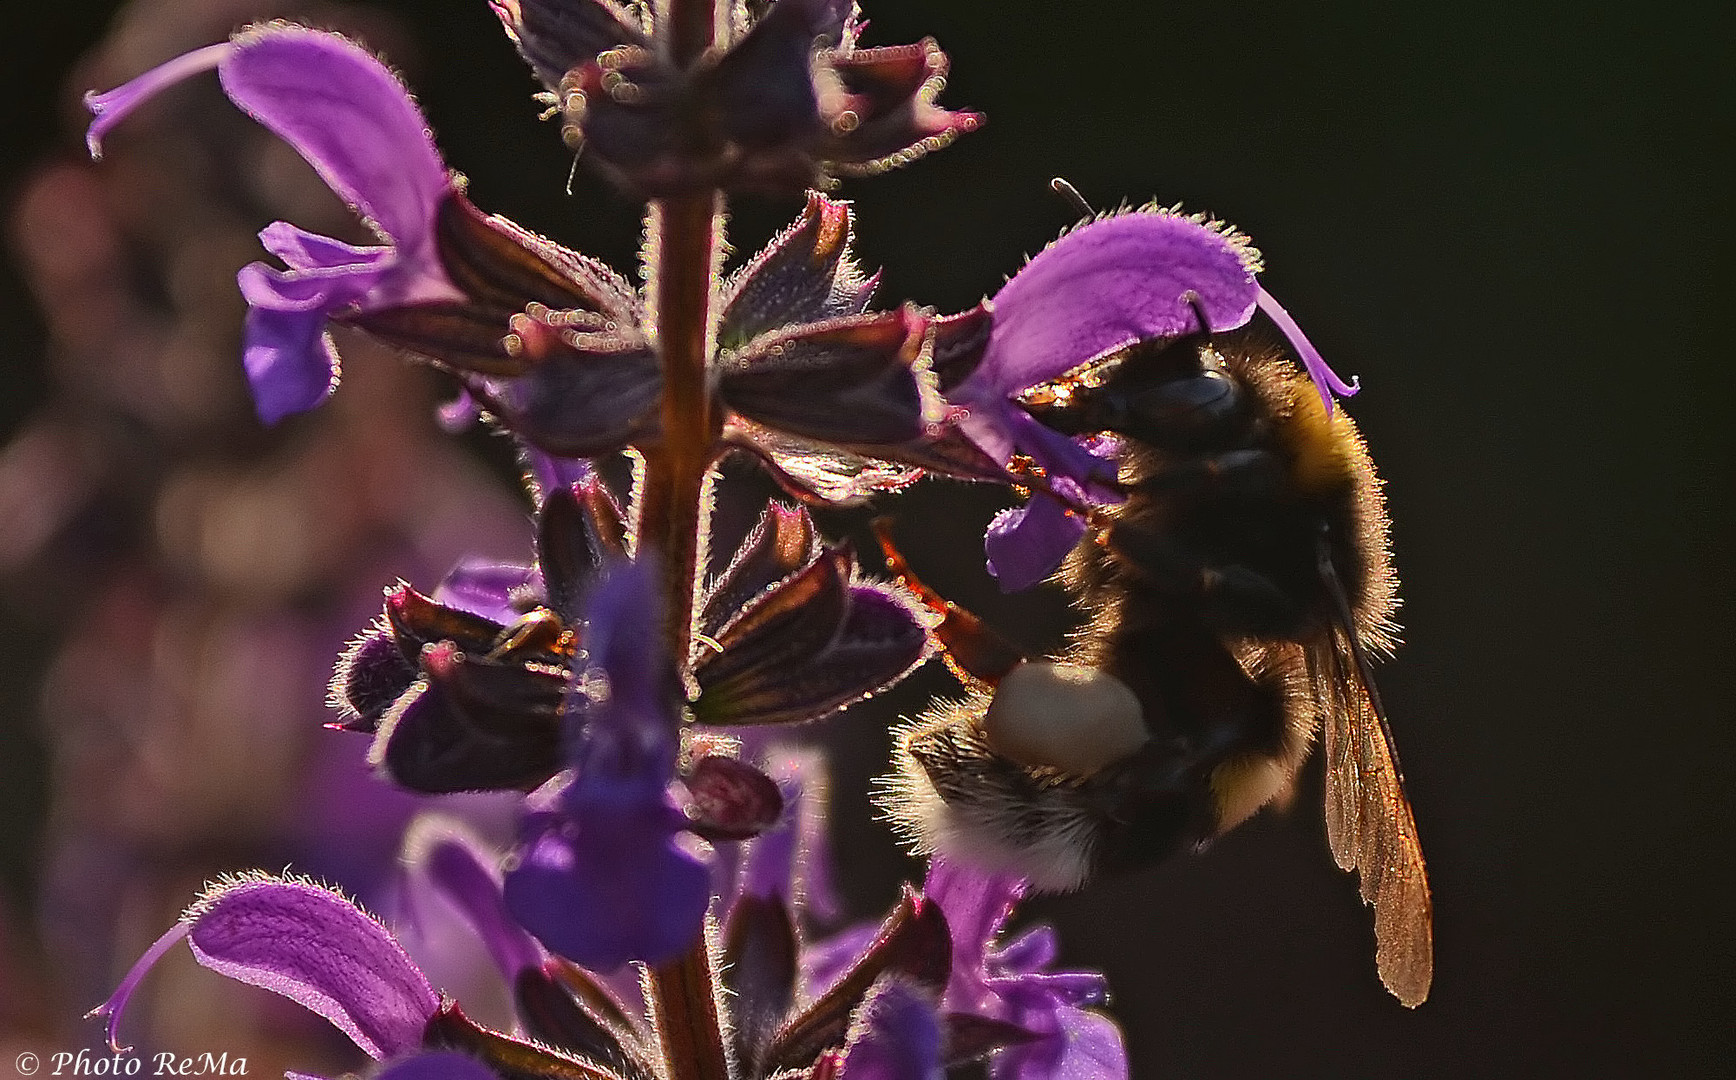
{"points": [[1235, 600]]}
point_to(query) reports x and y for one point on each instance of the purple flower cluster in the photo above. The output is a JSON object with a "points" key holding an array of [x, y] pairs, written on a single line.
{"points": [[932, 985], [652, 829]]}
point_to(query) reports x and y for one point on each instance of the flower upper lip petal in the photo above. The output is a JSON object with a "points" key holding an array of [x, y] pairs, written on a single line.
{"points": [[310, 945], [1106, 285], [349, 117]]}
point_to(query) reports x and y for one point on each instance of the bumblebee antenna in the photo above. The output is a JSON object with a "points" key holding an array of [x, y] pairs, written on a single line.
{"points": [[1067, 191]]}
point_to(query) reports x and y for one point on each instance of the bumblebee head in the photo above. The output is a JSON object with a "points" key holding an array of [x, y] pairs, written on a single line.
{"points": [[1173, 394]]}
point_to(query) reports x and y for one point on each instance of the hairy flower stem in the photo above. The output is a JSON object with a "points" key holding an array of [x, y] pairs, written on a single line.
{"points": [[686, 234], [687, 237], [690, 26]]}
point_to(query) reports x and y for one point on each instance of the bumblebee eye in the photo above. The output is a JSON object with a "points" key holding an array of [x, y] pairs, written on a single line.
{"points": [[1064, 716]]}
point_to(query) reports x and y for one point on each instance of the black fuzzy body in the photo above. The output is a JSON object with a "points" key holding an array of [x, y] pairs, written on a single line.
{"points": [[1206, 595]]}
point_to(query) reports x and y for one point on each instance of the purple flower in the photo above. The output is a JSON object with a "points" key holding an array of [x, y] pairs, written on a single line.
{"points": [[1026, 543], [308, 944], [1115, 281], [896, 1035], [354, 122], [445, 860], [544, 338], [606, 872], [1007, 983]]}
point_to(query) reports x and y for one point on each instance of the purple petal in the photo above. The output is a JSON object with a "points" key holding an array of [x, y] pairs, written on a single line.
{"points": [[320, 951], [1325, 379], [1104, 286], [606, 878], [487, 589], [1086, 1046], [1001, 428], [769, 870], [794, 859], [460, 414], [612, 885], [303, 250], [624, 628], [551, 473], [895, 1036], [1032, 950], [457, 866], [803, 773], [976, 906], [111, 108], [1027, 544], [310, 945], [290, 363], [112, 1009], [1089, 463], [324, 288], [289, 360], [344, 112], [349, 116], [826, 960], [438, 1065], [1047, 990]]}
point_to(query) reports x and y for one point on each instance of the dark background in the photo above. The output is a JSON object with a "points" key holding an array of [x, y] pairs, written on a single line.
{"points": [[1513, 224]]}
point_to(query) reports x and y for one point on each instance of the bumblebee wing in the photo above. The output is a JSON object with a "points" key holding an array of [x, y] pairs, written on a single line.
{"points": [[1368, 818]]}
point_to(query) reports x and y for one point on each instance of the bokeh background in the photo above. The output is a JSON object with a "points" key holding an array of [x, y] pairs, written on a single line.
{"points": [[1511, 220]]}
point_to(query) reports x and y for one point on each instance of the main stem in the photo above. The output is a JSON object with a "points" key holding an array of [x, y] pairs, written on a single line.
{"points": [[686, 233]]}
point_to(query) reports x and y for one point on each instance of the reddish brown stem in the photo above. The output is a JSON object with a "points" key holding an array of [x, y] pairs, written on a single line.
{"points": [[686, 236], [691, 26]]}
